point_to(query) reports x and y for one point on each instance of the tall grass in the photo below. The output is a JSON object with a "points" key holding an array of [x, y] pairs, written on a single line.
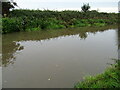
{"points": [[108, 79]]}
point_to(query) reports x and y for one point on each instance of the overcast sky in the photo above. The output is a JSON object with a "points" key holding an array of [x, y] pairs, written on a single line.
{"points": [[101, 5]]}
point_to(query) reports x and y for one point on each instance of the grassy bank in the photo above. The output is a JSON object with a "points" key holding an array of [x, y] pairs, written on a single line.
{"points": [[108, 79], [32, 20]]}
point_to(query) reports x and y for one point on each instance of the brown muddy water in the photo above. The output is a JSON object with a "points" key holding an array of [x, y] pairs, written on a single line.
{"points": [[56, 58]]}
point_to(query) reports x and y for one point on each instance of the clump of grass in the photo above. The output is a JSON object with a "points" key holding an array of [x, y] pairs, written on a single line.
{"points": [[108, 79], [33, 29]]}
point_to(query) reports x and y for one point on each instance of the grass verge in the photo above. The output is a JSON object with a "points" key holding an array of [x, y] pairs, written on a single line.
{"points": [[108, 79]]}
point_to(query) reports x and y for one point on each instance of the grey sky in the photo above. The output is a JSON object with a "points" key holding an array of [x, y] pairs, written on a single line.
{"points": [[101, 5]]}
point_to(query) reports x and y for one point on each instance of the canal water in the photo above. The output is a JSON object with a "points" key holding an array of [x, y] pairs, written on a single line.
{"points": [[56, 58]]}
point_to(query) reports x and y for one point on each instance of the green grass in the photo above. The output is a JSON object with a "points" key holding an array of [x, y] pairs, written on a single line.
{"points": [[108, 79], [32, 20], [25, 24]]}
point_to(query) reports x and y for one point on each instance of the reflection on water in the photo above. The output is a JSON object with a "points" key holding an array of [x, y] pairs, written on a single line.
{"points": [[9, 50], [10, 46], [56, 58]]}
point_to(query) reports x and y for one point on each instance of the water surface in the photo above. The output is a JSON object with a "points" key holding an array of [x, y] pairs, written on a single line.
{"points": [[56, 58]]}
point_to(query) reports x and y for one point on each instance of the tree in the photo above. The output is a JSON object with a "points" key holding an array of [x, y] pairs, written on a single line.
{"points": [[7, 5], [85, 7]]}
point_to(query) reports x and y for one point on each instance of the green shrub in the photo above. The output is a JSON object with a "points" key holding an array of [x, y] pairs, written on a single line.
{"points": [[11, 25], [31, 20], [63, 15]]}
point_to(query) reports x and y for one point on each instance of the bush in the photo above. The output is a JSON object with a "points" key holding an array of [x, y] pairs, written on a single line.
{"points": [[31, 20], [11, 25], [26, 24]]}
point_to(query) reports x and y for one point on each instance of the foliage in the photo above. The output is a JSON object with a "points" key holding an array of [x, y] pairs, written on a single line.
{"points": [[62, 15], [51, 23], [6, 6], [11, 25], [0, 25], [25, 24], [31, 20], [108, 79], [85, 7]]}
